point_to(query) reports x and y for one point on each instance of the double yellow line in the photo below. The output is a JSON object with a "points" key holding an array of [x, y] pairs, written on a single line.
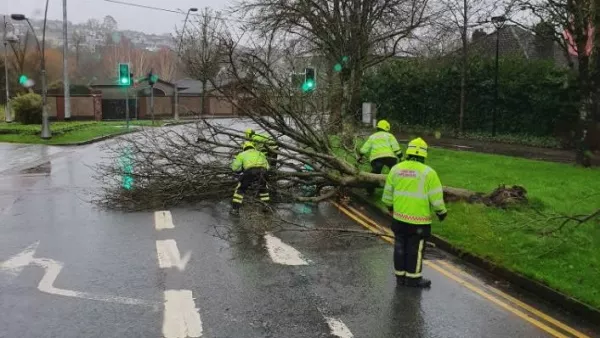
{"points": [[494, 295]]}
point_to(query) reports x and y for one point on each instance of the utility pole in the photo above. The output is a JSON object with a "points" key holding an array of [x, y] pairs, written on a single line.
{"points": [[7, 114], [66, 85]]}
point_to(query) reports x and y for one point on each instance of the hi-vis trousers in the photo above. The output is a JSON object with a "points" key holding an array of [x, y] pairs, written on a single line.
{"points": [[408, 248], [251, 178]]}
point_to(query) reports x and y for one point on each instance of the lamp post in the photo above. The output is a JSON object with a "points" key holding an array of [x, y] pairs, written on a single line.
{"points": [[498, 22], [46, 134], [192, 9], [7, 39]]}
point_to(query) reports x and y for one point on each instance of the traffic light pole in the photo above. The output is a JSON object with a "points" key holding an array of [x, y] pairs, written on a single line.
{"points": [[127, 106], [152, 103]]}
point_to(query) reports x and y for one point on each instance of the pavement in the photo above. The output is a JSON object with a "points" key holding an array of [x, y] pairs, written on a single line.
{"points": [[71, 269]]}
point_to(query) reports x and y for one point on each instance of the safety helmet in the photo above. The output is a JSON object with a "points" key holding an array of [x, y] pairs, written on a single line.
{"points": [[247, 145], [383, 125], [249, 132], [417, 147]]}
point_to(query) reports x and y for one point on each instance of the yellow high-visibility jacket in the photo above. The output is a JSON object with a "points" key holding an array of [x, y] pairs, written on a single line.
{"points": [[263, 142], [248, 159], [413, 189], [381, 144]]}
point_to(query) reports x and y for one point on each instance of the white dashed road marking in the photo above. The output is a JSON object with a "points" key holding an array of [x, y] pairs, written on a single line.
{"points": [[282, 253], [338, 328], [181, 317], [168, 255], [163, 220]]}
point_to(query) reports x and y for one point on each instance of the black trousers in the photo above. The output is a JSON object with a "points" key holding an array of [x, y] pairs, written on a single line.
{"points": [[253, 178], [377, 166], [408, 248]]}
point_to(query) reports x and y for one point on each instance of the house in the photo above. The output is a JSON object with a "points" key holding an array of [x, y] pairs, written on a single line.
{"points": [[516, 41]]}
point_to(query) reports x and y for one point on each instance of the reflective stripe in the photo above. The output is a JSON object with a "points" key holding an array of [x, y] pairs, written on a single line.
{"points": [[410, 194], [420, 256], [238, 195], [265, 199], [400, 273], [437, 203], [417, 147], [238, 201], [436, 191], [404, 217], [414, 275]]}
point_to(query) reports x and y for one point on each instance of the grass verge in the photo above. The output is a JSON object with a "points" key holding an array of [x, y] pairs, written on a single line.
{"points": [[517, 239], [65, 132]]}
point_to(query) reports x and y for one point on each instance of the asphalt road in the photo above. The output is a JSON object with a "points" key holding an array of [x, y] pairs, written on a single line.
{"points": [[70, 269]]}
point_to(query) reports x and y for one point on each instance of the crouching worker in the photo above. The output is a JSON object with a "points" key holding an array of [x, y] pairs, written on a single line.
{"points": [[253, 166]]}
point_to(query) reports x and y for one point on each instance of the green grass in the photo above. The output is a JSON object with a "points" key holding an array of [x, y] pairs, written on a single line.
{"points": [[65, 132], [568, 261]]}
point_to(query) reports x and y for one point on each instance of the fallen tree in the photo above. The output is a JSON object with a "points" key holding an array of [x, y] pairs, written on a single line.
{"points": [[190, 163]]}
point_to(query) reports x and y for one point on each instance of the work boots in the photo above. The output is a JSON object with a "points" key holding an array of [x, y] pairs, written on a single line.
{"points": [[418, 283]]}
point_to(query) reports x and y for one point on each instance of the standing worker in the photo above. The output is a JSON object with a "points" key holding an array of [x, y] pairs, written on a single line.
{"points": [[253, 166], [383, 150], [265, 144], [411, 190]]}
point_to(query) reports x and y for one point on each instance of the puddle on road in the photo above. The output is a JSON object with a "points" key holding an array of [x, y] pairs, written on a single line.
{"points": [[44, 168]]}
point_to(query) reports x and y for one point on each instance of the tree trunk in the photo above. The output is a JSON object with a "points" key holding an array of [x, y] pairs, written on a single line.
{"points": [[585, 111], [354, 105]]}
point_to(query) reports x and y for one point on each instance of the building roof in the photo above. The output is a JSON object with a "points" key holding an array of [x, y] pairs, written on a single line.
{"points": [[517, 41]]}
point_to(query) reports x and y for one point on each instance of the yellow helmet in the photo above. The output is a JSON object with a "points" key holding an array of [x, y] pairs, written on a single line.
{"points": [[383, 125], [417, 147], [247, 145], [249, 132]]}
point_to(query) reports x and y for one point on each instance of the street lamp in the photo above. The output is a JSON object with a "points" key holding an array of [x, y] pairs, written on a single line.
{"points": [[46, 134], [7, 39], [191, 9], [498, 22]]}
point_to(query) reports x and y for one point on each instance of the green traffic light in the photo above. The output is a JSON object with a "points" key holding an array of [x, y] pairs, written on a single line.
{"points": [[124, 80], [22, 79], [344, 59], [337, 67], [308, 86]]}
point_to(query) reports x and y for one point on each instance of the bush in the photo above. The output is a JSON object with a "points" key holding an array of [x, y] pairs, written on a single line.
{"points": [[535, 97], [27, 108]]}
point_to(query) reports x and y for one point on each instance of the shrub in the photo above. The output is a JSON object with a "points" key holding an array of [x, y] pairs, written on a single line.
{"points": [[27, 108], [535, 97]]}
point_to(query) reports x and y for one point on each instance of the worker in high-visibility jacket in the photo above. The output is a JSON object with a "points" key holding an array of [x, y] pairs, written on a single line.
{"points": [[265, 144], [253, 165], [382, 148], [412, 191]]}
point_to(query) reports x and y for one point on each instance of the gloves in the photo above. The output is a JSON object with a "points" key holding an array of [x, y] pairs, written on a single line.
{"points": [[442, 217]]}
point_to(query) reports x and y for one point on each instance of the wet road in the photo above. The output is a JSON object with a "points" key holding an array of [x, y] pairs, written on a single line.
{"points": [[69, 269]]}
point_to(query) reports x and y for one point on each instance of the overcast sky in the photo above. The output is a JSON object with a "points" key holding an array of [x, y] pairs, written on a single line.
{"points": [[140, 19]]}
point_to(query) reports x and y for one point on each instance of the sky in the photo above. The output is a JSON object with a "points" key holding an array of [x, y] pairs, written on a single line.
{"points": [[132, 18]]}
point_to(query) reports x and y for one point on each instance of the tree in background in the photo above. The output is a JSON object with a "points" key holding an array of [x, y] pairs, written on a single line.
{"points": [[366, 32], [202, 51], [571, 24], [462, 16]]}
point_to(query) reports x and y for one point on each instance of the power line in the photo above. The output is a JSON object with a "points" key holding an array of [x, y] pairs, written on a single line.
{"points": [[170, 10]]}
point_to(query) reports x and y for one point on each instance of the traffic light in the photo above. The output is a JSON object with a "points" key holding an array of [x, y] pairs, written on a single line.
{"points": [[152, 78], [124, 74], [23, 79], [340, 65], [310, 81]]}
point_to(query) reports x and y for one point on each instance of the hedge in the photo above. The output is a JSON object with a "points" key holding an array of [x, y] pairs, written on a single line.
{"points": [[535, 97]]}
